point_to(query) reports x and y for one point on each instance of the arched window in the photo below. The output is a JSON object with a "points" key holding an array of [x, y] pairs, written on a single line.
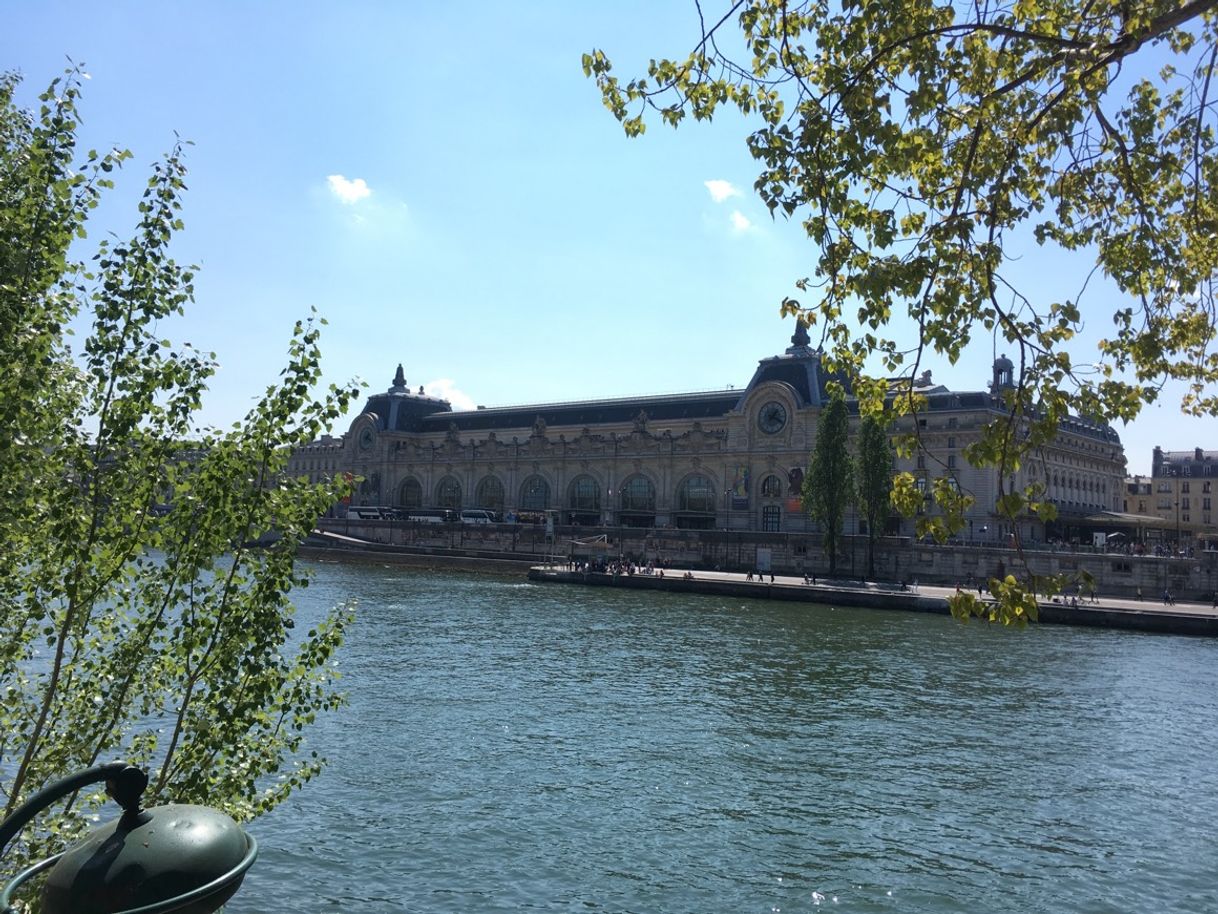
{"points": [[584, 494], [448, 493], [534, 494], [638, 494], [771, 487], [489, 494], [410, 495], [696, 494]]}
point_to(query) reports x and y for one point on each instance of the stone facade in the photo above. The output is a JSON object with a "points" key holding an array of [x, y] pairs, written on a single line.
{"points": [[728, 459], [1182, 490]]}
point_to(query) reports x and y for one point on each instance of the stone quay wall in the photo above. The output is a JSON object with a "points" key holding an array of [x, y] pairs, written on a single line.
{"points": [[898, 559]]}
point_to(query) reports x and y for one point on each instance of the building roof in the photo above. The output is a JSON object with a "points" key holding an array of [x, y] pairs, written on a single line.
{"points": [[1179, 463], [667, 407], [799, 369]]}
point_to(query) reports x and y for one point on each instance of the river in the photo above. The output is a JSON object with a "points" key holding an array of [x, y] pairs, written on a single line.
{"points": [[520, 747]]}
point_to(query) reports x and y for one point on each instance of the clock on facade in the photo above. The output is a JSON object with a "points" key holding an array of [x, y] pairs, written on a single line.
{"points": [[772, 418], [365, 439]]}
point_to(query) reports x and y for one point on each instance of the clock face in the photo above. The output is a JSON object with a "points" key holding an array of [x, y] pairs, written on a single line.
{"points": [[772, 418], [365, 439]]}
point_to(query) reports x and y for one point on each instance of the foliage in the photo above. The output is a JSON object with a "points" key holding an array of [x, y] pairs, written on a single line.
{"points": [[918, 142], [135, 621], [874, 471], [828, 487], [1004, 592]]}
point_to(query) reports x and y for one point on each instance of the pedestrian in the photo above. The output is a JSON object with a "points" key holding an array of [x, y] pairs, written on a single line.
{"points": [[771, 577], [1166, 596], [749, 576], [1139, 595]]}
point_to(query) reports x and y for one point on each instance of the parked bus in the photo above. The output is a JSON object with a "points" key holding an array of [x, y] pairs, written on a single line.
{"points": [[430, 515], [478, 516], [369, 512]]}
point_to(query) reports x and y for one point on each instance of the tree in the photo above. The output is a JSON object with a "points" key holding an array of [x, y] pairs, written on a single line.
{"points": [[918, 142], [135, 621], [874, 469], [828, 487]]}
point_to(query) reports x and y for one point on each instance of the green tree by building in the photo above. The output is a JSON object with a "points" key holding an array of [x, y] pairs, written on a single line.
{"points": [[874, 471], [921, 144], [134, 620], [828, 487]]}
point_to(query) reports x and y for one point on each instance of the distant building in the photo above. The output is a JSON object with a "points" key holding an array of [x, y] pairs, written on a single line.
{"points": [[1181, 491], [727, 459]]}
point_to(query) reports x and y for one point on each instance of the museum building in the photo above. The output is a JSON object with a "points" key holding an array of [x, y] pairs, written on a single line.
{"points": [[725, 459]]}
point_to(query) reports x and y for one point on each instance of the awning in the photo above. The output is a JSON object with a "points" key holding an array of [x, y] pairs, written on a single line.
{"points": [[1128, 520], [591, 546]]}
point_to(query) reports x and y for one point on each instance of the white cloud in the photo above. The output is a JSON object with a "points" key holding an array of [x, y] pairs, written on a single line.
{"points": [[721, 190], [740, 222], [348, 191], [447, 389]]}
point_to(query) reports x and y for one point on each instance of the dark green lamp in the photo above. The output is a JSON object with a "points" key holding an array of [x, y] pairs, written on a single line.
{"points": [[178, 858]]}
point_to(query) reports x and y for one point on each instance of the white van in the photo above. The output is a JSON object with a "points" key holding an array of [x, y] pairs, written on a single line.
{"points": [[477, 516]]}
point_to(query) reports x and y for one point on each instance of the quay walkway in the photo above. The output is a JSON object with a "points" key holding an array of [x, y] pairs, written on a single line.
{"points": [[1108, 612]]}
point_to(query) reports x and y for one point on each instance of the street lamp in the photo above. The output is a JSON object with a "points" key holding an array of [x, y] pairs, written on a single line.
{"points": [[178, 858]]}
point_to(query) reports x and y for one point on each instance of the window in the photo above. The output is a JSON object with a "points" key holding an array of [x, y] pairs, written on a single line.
{"points": [[448, 493], [771, 518], [1184, 487], [489, 494], [411, 494], [951, 440], [921, 463], [1205, 486], [638, 494], [1164, 487], [1164, 504], [951, 461], [1205, 504], [951, 421], [696, 494], [1184, 518], [771, 487], [1184, 504], [534, 494], [585, 494]]}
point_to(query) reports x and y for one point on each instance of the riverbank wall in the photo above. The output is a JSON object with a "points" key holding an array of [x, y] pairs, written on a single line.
{"points": [[898, 559], [1145, 618]]}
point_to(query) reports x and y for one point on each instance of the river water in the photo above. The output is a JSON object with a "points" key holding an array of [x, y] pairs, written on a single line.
{"points": [[520, 747]]}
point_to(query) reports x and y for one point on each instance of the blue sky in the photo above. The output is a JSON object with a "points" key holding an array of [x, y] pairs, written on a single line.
{"points": [[442, 183]]}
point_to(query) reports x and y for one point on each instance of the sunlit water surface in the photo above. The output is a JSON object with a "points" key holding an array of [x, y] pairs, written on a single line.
{"points": [[517, 747]]}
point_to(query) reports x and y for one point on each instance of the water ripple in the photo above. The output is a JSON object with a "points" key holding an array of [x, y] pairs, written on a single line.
{"points": [[511, 747]]}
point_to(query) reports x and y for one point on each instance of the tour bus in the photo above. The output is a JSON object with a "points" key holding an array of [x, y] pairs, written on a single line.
{"points": [[478, 516], [430, 515], [369, 512]]}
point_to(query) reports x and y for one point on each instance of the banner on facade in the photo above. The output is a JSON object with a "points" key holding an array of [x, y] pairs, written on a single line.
{"points": [[740, 483]]}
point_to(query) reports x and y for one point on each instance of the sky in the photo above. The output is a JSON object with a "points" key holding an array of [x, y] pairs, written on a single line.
{"points": [[444, 186]]}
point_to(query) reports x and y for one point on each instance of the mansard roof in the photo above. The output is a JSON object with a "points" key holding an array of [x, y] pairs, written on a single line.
{"points": [[799, 368], [710, 404]]}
